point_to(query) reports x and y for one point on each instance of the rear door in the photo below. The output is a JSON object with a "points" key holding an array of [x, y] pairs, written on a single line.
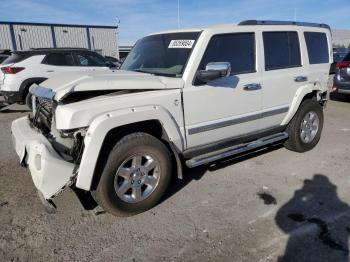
{"points": [[57, 63], [284, 74]]}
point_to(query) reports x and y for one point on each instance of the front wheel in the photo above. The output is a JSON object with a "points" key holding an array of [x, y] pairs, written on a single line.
{"points": [[136, 175], [305, 128]]}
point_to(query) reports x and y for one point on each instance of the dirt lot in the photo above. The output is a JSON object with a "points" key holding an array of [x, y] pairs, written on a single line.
{"points": [[270, 205]]}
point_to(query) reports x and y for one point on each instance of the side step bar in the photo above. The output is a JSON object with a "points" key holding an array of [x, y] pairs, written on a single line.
{"points": [[235, 150]]}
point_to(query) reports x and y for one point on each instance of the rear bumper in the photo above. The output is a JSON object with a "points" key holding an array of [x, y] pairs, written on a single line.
{"points": [[50, 173], [341, 86], [340, 82], [343, 91]]}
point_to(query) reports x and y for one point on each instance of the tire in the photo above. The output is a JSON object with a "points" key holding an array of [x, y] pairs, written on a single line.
{"points": [[28, 100], [120, 171], [305, 137]]}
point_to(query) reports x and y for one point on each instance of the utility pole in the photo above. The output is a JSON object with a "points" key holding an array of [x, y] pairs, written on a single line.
{"points": [[178, 13], [295, 14]]}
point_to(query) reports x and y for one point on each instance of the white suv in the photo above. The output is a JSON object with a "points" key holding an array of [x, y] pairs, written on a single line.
{"points": [[184, 97], [24, 68]]}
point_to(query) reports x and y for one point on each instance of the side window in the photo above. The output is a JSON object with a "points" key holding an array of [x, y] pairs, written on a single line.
{"points": [[317, 47], [238, 49], [282, 50], [59, 59], [86, 59]]}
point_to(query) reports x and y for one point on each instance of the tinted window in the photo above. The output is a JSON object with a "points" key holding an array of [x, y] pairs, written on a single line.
{"points": [[2, 58], [16, 58], [317, 47], [340, 57], [89, 59], [347, 57], [238, 49], [281, 50], [59, 59]]}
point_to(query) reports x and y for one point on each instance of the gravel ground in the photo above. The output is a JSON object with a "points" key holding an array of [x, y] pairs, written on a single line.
{"points": [[271, 205]]}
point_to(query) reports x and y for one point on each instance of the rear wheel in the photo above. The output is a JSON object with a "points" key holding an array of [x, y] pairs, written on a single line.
{"points": [[136, 175], [305, 128]]}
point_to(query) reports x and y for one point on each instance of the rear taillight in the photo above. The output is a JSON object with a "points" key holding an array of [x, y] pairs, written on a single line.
{"points": [[342, 64], [11, 70]]}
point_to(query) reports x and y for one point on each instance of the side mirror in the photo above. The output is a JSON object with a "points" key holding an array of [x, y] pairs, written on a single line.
{"points": [[213, 71]]}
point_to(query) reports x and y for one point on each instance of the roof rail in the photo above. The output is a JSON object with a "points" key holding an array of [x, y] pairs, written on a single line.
{"points": [[57, 48], [270, 22]]}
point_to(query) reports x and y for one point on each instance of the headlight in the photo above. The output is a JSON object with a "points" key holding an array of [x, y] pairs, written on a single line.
{"points": [[42, 92]]}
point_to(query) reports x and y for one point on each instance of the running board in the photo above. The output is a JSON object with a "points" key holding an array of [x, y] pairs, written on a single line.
{"points": [[235, 150]]}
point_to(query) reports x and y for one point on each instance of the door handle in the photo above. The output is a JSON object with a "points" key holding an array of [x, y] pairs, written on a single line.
{"points": [[252, 87], [50, 71], [300, 79]]}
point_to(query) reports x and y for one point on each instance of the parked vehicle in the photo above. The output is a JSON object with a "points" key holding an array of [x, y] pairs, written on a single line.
{"points": [[337, 57], [184, 97], [342, 76], [25, 68], [114, 61]]}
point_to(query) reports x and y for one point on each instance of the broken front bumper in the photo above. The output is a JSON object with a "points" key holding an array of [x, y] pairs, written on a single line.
{"points": [[50, 173]]}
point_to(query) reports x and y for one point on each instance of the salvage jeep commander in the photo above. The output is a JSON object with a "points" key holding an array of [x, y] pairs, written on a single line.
{"points": [[186, 97]]}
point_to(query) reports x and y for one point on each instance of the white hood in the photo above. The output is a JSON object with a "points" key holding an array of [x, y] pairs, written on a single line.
{"points": [[63, 84]]}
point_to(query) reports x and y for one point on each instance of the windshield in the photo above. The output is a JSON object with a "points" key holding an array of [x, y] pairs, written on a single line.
{"points": [[164, 54], [339, 57], [347, 57]]}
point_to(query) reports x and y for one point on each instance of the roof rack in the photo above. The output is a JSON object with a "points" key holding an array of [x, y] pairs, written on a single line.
{"points": [[270, 22]]}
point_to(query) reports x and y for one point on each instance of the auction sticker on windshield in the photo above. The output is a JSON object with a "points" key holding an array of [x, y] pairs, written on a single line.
{"points": [[181, 43]]}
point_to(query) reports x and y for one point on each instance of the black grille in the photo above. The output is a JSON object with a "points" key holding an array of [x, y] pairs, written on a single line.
{"points": [[43, 114]]}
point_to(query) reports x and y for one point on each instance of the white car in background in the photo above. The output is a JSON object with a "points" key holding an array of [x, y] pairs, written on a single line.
{"points": [[25, 68]]}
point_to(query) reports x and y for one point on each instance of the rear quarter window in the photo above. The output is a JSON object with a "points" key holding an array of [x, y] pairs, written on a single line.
{"points": [[59, 59], [15, 58], [317, 47]]}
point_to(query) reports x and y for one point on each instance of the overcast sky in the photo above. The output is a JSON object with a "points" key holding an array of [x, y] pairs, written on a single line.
{"points": [[138, 18]]}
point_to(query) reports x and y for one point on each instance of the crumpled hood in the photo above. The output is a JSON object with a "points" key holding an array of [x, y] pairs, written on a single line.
{"points": [[66, 83]]}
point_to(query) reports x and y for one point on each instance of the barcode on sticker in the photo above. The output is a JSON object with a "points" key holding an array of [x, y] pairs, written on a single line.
{"points": [[181, 44]]}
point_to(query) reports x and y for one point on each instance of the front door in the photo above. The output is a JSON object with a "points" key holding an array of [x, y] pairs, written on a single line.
{"points": [[230, 106]]}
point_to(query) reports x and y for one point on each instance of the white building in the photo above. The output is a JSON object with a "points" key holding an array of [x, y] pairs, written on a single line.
{"points": [[21, 36], [341, 37]]}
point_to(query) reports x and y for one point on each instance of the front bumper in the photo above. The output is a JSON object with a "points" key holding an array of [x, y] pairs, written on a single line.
{"points": [[50, 173]]}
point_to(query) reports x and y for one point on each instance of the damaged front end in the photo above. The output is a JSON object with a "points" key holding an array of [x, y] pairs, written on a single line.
{"points": [[52, 155]]}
